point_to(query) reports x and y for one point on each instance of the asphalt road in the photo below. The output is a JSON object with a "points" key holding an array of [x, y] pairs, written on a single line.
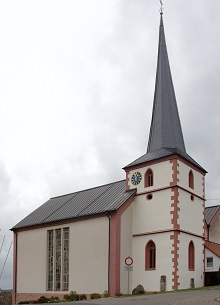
{"points": [[207, 296]]}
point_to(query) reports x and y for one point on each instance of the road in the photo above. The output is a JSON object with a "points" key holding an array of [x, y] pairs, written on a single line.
{"points": [[207, 296]]}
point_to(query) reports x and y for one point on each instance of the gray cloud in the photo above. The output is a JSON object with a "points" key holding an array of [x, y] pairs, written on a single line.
{"points": [[77, 92]]}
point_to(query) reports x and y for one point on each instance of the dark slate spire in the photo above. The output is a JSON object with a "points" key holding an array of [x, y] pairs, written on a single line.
{"points": [[165, 131], [166, 137]]}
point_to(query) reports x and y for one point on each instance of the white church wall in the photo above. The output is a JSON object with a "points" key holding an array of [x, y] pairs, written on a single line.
{"points": [[214, 231], [216, 261], [31, 261], [88, 257], [126, 249], [150, 279], [184, 273], [183, 177], [162, 176], [188, 211], [147, 211]]}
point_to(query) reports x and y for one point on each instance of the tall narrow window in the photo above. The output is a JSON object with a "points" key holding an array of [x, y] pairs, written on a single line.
{"points": [[191, 256], [65, 259], [149, 178], [58, 259], [150, 256], [50, 260], [191, 180]]}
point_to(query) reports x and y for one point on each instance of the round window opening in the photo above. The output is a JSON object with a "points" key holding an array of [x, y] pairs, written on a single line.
{"points": [[192, 197], [149, 196]]}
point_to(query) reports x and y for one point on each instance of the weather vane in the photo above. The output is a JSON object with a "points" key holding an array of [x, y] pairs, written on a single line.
{"points": [[161, 7]]}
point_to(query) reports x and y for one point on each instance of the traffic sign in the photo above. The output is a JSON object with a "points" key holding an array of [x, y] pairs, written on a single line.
{"points": [[128, 268], [129, 261]]}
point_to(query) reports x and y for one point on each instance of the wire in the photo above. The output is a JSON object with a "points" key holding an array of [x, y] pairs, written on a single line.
{"points": [[5, 260], [2, 244]]}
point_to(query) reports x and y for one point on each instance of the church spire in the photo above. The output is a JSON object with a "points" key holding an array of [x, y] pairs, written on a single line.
{"points": [[165, 131], [166, 137]]}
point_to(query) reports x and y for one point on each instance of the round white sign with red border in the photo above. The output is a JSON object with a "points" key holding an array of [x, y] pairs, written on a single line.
{"points": [[129, 261]]}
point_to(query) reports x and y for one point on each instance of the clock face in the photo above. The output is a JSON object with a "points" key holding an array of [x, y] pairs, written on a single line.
{"points": [[136, 178]]}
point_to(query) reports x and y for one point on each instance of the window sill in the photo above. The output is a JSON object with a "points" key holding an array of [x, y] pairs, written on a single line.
{"points": [[150, 269]]}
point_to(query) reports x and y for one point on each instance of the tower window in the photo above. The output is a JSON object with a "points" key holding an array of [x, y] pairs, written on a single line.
{"points": [[191, 180], [150, 256], [149, 178], [191, 256]]}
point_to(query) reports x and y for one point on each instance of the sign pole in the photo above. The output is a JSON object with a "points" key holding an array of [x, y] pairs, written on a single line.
{"points": [[128, 280]]}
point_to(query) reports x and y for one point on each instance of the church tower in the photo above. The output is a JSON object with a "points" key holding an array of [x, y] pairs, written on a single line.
{"points": [[168, 210]]}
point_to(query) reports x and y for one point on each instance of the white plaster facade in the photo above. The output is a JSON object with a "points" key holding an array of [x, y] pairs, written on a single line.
{"points": [[216, 261], [88, 256]]}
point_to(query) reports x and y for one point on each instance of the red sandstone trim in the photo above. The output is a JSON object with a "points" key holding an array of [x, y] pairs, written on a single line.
{"points": [[168, 187], [174, 221], [115, 241], [168, 158], [35, 296], [174, 253], [14, 292], [168, 230]]}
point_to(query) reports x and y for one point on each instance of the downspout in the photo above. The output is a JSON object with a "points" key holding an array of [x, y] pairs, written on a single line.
{"points": [[109, 247], [15, 267]]}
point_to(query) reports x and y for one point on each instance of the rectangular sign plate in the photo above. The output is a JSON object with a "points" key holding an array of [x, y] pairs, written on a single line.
{"points": [[128, 268]]}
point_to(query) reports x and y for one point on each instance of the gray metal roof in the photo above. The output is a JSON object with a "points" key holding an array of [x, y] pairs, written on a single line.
{"points": [[166, 137], [160, 153], [210, 213], [109, 197]]}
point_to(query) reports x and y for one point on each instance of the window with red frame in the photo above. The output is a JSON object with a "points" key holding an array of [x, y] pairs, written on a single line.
{"points": [[191, 256], [191, 180], [149, 178], [150, 256]]}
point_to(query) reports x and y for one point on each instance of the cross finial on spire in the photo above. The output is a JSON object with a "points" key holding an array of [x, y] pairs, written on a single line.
{"points": [[161, 7]]}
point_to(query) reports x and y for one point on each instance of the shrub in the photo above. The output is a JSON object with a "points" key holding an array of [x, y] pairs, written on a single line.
{"points": [[54, 300], [82, 297], [73, 296], [42, 299], [95, 296]]}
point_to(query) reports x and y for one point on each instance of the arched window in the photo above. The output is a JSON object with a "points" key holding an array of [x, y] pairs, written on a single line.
{"points": [[191, 180], [149, 178], [150, 256], [191, 256]]}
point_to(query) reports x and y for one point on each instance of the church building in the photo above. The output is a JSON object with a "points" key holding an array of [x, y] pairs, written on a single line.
{"points": [[153, 221]]}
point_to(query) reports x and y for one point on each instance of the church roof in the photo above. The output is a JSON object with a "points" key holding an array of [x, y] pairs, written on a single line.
{"points": [[210, 213], [101, 199], [166, 137], [213, 247]]}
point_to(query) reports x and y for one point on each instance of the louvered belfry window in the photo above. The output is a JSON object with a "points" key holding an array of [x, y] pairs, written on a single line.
{"points": [[58, 259]]}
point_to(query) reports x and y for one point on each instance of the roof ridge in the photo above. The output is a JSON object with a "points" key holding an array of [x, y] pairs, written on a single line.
{"points": [[91, 188]]}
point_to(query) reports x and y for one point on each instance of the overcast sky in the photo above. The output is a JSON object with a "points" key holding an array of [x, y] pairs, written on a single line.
{"points": [[76, 92]]}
